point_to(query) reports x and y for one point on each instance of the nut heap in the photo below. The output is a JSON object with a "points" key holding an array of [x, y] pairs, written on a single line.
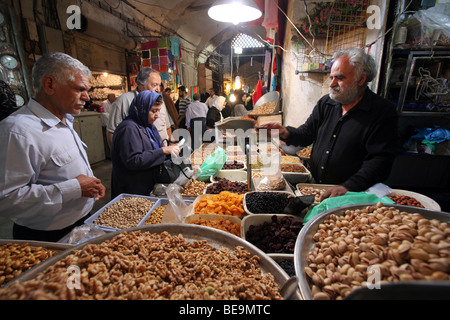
{"points": [[406, 201], [194, 188], [293, 168], [156, 216], [290, 159], [305, 153], [402, 246], [17, 258], [305, 191], [141, 265], [266, 108], [126, 213]]}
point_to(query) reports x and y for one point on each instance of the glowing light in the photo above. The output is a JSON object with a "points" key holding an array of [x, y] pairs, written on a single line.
{"points": [[234, 11]]}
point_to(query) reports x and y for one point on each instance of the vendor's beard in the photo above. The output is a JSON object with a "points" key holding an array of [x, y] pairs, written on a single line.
{"points": [[345, 96]]}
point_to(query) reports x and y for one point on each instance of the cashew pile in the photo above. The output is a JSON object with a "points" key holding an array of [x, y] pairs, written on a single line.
{"points": [[402, 246], [17, 258]]}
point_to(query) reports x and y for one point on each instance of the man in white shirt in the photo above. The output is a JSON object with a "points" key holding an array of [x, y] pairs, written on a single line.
{"points": [[107, 104], [147, 79], [47, 186], [196, 120], [105, 109], [212, 97]]}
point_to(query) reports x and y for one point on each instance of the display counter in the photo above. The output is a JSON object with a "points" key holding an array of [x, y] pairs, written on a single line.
{"points": [[330, 256]]}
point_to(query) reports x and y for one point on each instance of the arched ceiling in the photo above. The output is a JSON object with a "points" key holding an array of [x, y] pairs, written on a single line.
{"points": [[189, 20]]}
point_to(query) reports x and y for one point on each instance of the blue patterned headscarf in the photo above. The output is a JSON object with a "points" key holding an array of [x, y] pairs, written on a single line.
{"points": [[139, 109]]}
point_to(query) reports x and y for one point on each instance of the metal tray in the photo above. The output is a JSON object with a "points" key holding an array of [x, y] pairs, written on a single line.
{"points": [[55, 246], [216, 238], [304, 244]]}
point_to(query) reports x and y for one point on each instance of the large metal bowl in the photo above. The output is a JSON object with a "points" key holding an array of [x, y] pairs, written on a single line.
{"points": [[216, 238], [305, 244], [273, 96]]}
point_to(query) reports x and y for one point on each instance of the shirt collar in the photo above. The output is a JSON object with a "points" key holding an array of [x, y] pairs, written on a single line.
{"points": [[46, 116]]}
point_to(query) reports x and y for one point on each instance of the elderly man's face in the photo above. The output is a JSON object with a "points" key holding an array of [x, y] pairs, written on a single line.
{"points": [[154, 82], [71, 97], [344, 87]]}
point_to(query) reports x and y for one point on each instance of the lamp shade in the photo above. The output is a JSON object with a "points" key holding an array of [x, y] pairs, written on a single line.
{"points": [[234, 11]]}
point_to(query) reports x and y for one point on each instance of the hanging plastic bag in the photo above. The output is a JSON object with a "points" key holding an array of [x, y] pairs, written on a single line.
{"points": [[348, 199], [272, 177], [180, 208], [212, 165], [84, 233]]}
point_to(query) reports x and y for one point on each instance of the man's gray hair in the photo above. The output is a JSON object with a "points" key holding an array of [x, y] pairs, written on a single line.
{"points": [[142, 77], [363, 62], [61, 66]]}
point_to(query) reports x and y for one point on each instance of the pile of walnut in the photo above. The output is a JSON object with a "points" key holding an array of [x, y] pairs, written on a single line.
{"points": [[141, 265], [403, 246]]}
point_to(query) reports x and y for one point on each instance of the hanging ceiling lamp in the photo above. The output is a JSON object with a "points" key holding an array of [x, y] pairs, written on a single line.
{"points": [[234, 11]]}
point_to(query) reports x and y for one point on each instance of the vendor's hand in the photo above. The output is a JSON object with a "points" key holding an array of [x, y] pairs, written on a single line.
{"points": [[271, 126], [173, 150], [334, 192], [91, 187]]}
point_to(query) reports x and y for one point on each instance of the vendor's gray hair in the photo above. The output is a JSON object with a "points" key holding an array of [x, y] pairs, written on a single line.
{"points": [[142, 77], [363, 62], [59, 65]]}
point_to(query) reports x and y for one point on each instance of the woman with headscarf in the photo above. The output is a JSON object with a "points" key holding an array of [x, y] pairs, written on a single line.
{"points": [[214, 115], [137, 151]]}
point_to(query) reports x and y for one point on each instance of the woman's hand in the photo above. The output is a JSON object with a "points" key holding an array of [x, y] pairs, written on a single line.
{"points": [[173, 150], [272, 126]]}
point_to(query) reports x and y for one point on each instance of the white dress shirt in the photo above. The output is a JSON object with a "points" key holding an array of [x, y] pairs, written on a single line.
{"points": [[40, 158], [210, 101], [106, 106], [195, 109]]}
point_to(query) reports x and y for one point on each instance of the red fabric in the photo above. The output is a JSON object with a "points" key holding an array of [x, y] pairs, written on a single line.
{"points": [[258, 92], [274, 64], [270, 15], [146, 63]]}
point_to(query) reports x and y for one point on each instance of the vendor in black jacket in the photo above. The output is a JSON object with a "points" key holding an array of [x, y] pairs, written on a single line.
{"points": [[354, 131]]}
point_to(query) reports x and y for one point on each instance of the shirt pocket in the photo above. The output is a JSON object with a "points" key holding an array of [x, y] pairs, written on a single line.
{"points": [[65, 157]]}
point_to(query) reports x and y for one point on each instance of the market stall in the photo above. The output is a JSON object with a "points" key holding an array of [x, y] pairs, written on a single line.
{"points": [[267, 220]]}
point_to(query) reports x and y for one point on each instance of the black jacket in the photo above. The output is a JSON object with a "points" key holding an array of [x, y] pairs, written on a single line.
{"points": [[135, 162], [355, 150]]}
